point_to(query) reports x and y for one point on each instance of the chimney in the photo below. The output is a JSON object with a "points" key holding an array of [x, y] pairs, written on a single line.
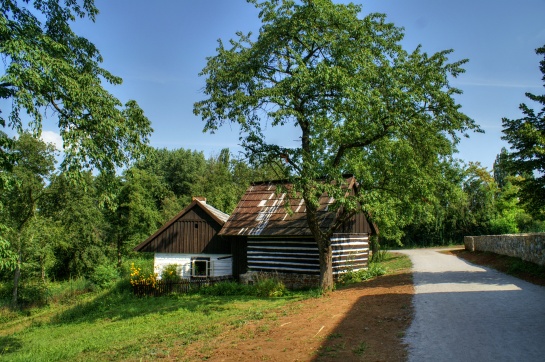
{"points": [[199, 198]]}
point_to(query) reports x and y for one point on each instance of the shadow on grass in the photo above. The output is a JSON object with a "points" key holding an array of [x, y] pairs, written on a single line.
{"points": [[9, 344], [120, 303]]}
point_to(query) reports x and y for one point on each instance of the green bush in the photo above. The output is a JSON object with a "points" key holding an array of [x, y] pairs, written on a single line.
{"points": [[144, 262], [33, 294], [170, 274], [264, 286], [500, 226], [6, 288], [268, 286], [104, 276], [379, 256], [67, 290], [351, 277]]}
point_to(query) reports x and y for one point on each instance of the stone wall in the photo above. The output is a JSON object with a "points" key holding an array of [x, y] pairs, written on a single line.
{"points": [[529, 247]]}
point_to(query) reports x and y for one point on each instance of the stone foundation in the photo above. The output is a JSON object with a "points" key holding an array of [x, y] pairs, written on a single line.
{"points": [[290, 280], [529, 247]]}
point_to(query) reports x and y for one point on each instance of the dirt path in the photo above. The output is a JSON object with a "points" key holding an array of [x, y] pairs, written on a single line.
{"points": [[465, 312], [363, 322]]}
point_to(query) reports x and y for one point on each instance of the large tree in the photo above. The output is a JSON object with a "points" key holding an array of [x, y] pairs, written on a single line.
{"points": [[353, 94], [80, 245], [180, 169], [135, 212], [34, 164], [527, 138], [50, 72]]}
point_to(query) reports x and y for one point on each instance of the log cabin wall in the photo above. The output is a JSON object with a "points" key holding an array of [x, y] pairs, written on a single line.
{"points": [[350, 252], [288, 255], [300, 255]]}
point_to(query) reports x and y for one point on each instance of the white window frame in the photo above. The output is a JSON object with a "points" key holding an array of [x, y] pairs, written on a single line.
{"points": [[199, 259]]}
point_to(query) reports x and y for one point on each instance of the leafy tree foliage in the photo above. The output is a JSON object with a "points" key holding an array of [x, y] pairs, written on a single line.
{"points": [[221, 179], [75, 206], [41, 236], [527, 138], [444, 216], [34, 163], [227, 178], [355, 96], [8, 259], [181, 170], [471, 202], [52, 72], [501, 168], [481, 189], [135, 213]]}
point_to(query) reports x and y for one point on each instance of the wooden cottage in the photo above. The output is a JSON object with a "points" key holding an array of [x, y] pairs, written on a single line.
{"points": [[267, 238], [190, 240]]}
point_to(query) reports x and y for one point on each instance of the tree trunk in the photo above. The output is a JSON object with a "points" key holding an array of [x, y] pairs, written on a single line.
{"points": [[326, 268], [323, 242], [42, 268], [119, 252], [16, 278], [375, 244]]}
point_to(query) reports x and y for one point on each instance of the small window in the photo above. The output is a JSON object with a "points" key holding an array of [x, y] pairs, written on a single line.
{"points": [[200, 267], [196, 226]]}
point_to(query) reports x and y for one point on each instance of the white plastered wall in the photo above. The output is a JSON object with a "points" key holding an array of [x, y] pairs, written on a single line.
{"points": [[220, 264]]}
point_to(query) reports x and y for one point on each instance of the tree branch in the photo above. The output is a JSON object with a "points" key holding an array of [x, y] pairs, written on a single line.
{"points": [[344, 147]]}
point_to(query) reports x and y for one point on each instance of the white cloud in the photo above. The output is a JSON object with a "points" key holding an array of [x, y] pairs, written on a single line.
{"points": [[52, 137]]}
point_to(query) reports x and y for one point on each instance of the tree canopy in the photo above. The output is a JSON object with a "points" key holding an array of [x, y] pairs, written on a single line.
{"points": [[50, 72], [34, 164], [359, 101], [527, 138]]}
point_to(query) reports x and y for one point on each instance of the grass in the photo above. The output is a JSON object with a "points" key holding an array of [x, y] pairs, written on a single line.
{"points": [[396, 262], [385, 263], [114, 324], [360, 349], [81, 324]]}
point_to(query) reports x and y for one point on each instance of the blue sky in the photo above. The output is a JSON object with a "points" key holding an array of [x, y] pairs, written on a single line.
{"points": [[159, 48]]}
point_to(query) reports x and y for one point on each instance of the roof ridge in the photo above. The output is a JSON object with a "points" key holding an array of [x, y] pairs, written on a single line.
{"points": [[220, 214]]}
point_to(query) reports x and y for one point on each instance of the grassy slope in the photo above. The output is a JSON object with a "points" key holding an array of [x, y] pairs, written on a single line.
{"points": [[115, 325]]}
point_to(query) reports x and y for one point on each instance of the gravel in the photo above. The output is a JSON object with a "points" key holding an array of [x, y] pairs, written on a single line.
{"points": [[465, 312]]}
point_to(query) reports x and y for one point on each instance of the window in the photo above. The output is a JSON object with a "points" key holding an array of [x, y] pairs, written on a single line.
{"points": [[200, 267]]}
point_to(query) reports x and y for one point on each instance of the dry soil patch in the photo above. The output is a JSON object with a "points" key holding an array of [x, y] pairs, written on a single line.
{"points": [[365, 321]]}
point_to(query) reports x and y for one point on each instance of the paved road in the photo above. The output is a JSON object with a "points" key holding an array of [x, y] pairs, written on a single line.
{"points": [[465, 312]]}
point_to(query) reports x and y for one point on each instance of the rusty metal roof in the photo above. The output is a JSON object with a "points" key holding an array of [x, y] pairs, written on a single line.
{"points": [[263, 211]]}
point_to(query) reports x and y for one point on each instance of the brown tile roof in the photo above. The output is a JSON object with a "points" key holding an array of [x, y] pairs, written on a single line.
{"points": [[262, 211]]}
